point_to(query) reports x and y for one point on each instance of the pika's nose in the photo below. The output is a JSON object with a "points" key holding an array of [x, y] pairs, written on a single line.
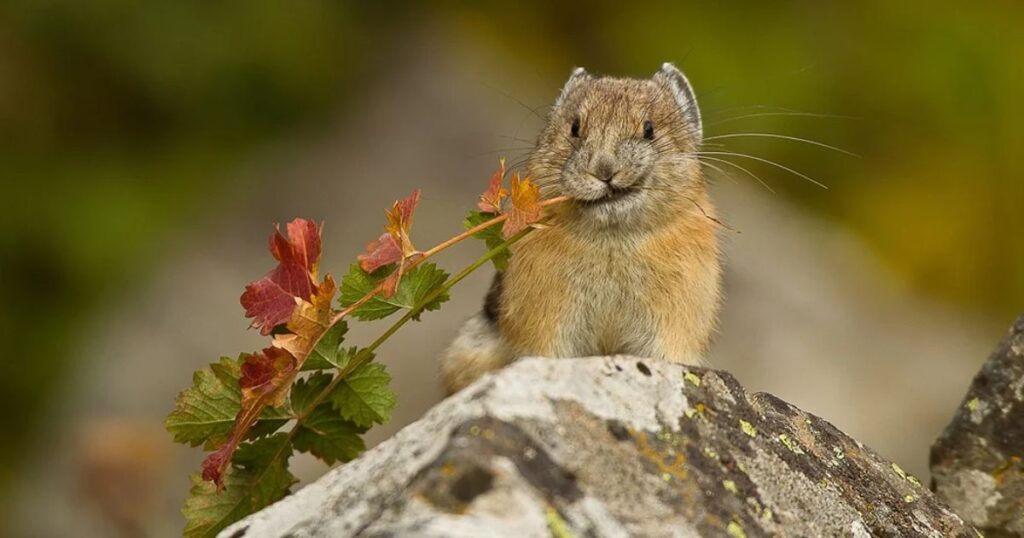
{"points": [[605, 169]]}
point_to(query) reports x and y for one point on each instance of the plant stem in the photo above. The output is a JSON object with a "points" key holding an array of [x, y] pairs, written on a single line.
{"points": [[435, 250], [364, 355]]}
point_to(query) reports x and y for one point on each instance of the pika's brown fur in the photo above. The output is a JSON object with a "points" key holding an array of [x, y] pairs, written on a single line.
{"points": [[631, 264]]}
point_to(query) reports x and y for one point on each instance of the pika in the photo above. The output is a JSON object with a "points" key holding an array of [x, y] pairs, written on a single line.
{"points": [[631, 264]]}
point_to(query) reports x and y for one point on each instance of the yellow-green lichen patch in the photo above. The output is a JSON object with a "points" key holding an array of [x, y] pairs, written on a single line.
{"points": [[735, 530], [666, 477], [666, 436], [748, 428], [557, 525], [972, 405], [792, 445], [692, 378], [838, 453], [909, 498], [906, 476], [710, 452], [697, 410], [767, 514], [730, 486]]}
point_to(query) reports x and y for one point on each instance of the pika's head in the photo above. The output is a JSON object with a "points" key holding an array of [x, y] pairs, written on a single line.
{"points": [[622, 149]]}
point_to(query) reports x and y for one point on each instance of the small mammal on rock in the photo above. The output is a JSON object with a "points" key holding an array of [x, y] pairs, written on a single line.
{"points": [[631, 264]]}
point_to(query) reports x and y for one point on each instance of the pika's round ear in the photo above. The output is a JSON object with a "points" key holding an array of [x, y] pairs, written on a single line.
{"points": [[578, 75], [676, 82]]}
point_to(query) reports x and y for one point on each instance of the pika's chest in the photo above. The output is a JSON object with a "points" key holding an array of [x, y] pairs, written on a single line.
{"points": [[562, 298]]}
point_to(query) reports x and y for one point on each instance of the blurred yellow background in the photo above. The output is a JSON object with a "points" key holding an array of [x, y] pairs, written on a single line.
{"points": [[148, 146]]}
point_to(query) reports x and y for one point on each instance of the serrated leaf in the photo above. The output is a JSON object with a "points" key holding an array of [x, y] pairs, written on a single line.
{"points": [[328, 436], [414, 287], [205, 413], [491, 237], [305, 390], [340, 360], [364, 396], [266, 378], [324, 433], [328, 352], [258, 477]]}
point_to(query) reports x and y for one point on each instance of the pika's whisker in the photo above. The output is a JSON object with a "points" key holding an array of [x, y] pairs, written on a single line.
{"points": [[768, 114], [517, 139], [766, 161], [783, 137], [740, 168]]}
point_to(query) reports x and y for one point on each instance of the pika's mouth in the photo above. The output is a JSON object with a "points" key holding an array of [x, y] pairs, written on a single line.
{"points": [[611, 195]]}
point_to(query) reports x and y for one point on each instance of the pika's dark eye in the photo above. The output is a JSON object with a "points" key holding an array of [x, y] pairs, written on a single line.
{"points": [[648, 130], [575, 129]]}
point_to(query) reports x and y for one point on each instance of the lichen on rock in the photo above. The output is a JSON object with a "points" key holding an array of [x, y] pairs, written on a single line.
{"points": [[612, 446], [976, 463]]}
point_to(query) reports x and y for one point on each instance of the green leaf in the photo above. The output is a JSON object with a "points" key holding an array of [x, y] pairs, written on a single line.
{"points": [[324, 433], [364, 396], [491, 236], [328, 436], [258, 477], [328, 352], [205, 413], [305, 390], [414, 287]]}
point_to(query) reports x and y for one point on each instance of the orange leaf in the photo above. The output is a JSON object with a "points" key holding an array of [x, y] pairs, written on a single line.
{"points": [[490, 200], [525, 206], [400, 221], [309, 321]]}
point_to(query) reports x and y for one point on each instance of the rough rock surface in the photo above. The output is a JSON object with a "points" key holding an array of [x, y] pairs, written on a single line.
{"points": [[976, 463], [613, 446]]}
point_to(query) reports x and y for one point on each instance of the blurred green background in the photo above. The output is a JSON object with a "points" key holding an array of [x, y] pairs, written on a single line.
{"points": [[118, 118]]}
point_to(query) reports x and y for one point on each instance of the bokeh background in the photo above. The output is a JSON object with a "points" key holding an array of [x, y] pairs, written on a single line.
{"points": [[147, 148]]}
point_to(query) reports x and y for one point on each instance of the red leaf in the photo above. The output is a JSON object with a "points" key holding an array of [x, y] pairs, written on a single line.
{"points": [[263, 373], [266, 378], [490, 200], [215, 464], [380, 252], [302, 246], [271, 299]]}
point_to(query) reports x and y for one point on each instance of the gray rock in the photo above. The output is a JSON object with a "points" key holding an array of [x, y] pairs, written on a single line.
{"points": [[976, 463], [613, 446]]}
